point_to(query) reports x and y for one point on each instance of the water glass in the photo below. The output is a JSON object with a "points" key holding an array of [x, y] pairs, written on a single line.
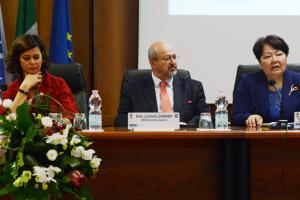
{"points": [[57, 117], [80, 121], [205, 121]]}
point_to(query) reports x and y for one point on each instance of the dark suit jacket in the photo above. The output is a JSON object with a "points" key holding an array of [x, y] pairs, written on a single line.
{"points": [[252, 97], [139, 96]]}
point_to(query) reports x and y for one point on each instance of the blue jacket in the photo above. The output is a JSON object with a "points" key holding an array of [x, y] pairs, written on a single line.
{"points": [[139, 96], [252, 97]]}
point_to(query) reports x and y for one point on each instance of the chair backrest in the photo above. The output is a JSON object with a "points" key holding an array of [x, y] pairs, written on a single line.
{"points": [[134, 74], [72, 73], [247, 69]]}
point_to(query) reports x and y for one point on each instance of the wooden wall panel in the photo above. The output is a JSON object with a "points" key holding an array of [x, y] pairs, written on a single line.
{"points": [[81, 27], [267, 169], [81, 13], [44, 19], [105, 41], [185, 169], [115, 49], [9, 13], [43, 12]]}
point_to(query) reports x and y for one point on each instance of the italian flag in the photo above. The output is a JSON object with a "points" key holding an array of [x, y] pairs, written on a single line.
{"points": [[26, 19]]}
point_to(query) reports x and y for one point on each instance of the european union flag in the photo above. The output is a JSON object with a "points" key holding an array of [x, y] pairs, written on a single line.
{"points": [[61, 50]]}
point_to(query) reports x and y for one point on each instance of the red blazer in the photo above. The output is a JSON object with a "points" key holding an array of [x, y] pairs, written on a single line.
{"points": [[53, 86]]}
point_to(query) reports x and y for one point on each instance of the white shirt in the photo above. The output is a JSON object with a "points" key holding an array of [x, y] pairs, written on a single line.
{"points": [[169, 89]]}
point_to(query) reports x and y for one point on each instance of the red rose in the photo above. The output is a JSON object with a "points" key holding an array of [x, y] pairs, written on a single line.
{"points": [[77, 178]]}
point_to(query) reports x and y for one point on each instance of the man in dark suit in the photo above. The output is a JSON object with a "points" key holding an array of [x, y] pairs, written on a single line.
{"points": [[185, 95]]}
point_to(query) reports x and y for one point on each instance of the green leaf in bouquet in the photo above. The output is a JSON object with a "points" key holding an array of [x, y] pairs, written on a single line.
{"points": [[20, 161], [41, 104], [24, 120], [14, 169], [6, 175], [54, 190], [71, 161], [29, 193], [7, 190], [30, 161], [81, 193], [86, 144], [37, 147], [28, 138], [65, 179], [31, 132], [84, 193], [6, 125], [38, 150], [88, 171], [69, 189], [15, 137]]}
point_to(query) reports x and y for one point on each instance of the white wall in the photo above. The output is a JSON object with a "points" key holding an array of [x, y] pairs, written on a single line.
{"points": [[211, 47]]}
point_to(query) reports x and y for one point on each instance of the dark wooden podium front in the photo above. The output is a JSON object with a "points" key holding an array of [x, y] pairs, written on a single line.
{"points": [[191, 165], [275, 164], [160, 165]]}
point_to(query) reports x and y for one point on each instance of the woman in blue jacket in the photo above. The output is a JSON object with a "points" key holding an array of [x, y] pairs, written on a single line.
{"points": [[270, 94]]}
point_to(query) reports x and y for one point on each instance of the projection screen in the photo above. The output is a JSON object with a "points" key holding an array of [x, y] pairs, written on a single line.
{"points": [[212, 37]]}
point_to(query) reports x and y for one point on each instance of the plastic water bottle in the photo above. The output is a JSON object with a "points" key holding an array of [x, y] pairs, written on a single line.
{"points": [[95, 114], [221, 115]]}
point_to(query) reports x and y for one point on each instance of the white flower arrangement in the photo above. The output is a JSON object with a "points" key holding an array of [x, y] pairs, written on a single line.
{"points": [[47, 121], [52, 154], [45, 174], [41, 159], [7, 103], [95, 162]]}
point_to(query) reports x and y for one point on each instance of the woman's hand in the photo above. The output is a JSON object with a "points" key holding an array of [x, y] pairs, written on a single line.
{"points": [[254, 120], [31, 80]]}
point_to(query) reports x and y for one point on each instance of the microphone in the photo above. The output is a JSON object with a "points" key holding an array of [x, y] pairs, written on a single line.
{"points": [[281, 123], [273, 84], [3, 87]]}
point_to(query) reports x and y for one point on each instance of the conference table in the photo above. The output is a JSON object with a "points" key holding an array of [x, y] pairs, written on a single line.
{"points": [[188, 164], [238, 163]]}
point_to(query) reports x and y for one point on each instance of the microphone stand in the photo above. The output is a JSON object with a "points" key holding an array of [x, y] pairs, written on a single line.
{"points": [[3, 87], [281, 123]]}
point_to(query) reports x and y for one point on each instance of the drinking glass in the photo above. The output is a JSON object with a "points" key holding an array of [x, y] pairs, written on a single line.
{"points": [[79, 121], [57, 117], [205, 121]]}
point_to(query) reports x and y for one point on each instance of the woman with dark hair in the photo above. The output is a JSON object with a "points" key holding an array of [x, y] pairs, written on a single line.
{"points": [[28, 61], [270, 94]]}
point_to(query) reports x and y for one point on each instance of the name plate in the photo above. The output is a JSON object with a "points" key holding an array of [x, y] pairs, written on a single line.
{"points": [[153, 121], [297, 120]]}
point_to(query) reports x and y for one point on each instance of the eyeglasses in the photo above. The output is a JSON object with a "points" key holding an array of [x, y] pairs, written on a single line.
{"points": [[168, 58]]}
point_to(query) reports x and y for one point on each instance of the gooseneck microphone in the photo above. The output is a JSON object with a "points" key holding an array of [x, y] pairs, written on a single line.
{"points": [[273, 84], [3, 87], [281, 123]]}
